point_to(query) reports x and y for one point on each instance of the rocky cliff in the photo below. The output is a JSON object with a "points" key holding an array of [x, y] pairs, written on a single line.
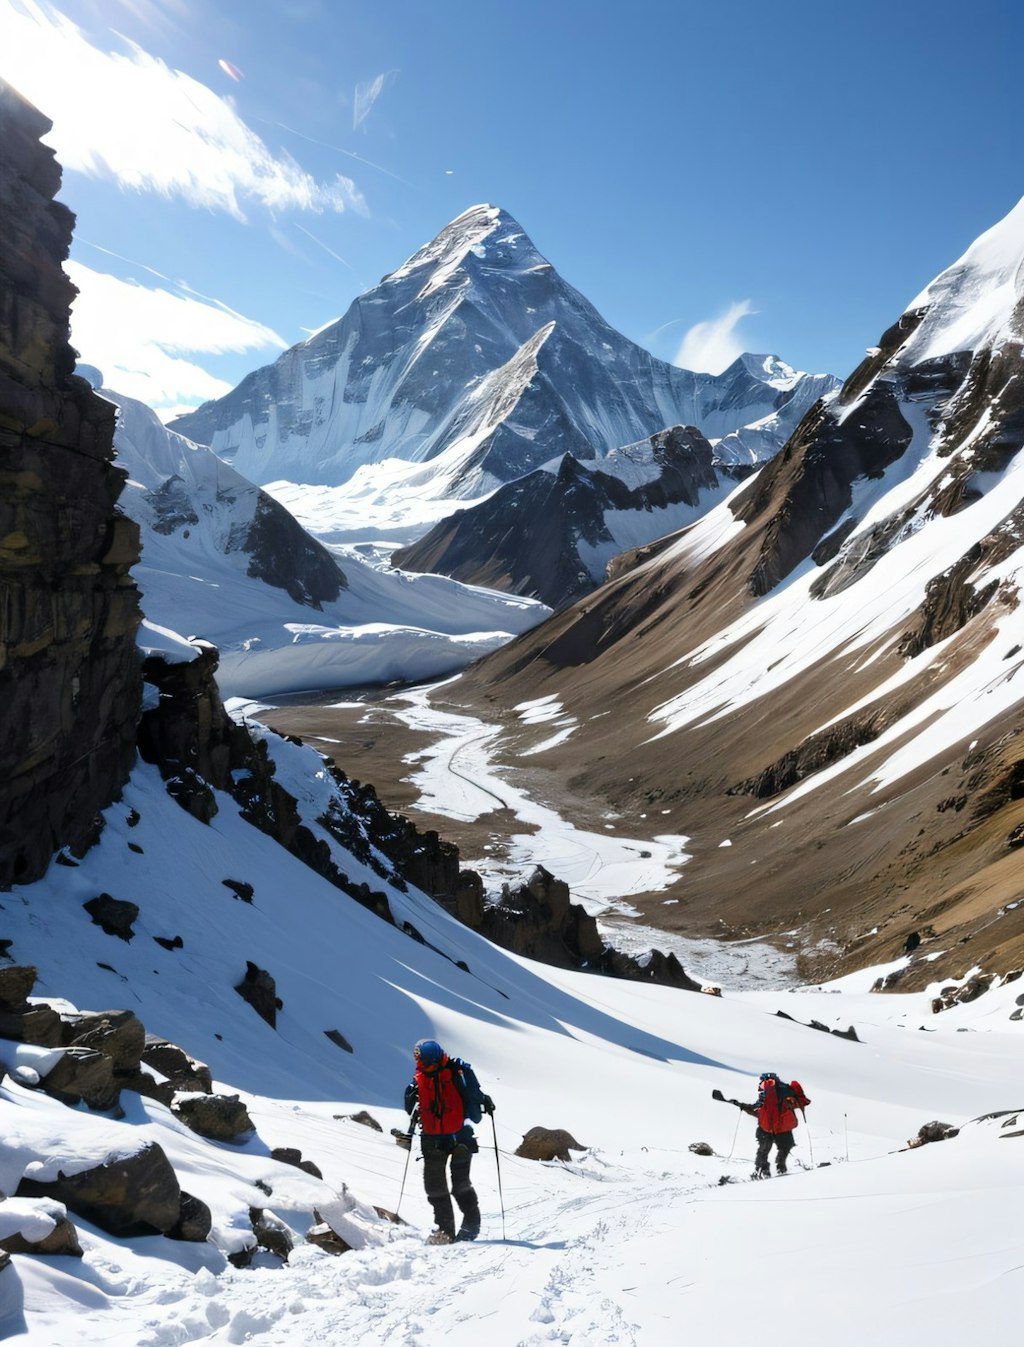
{"points": [[551, 534], [69, 676]]}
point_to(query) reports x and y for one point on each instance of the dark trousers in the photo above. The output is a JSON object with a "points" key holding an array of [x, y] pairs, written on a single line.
{"points": [[783, 1143], [437, 1151]]}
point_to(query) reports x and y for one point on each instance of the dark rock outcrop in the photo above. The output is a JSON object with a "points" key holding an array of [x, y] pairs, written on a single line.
{"points": [[260, 991], [119, 1034], [114, 915], [808, 486], [69, 681], [194, 1221], [183, 1072], [538, 920], [933, 1131], [326, 1239], [289, 1155], [134, 1195], [282, 553], [38, 1024], [819, 751], [654, 966], [83, 1076], [218, 1117], [363, 1118], [16, 983], [269, 1233], [61, 1241], [527, 537]]}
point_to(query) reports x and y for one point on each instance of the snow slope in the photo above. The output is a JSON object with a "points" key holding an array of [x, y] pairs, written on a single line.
{"points": [[373, 625], [632, 1239]]}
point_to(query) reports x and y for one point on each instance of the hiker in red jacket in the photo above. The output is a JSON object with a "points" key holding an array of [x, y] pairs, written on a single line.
{"points": [[775, 1111], [442, 1097]]}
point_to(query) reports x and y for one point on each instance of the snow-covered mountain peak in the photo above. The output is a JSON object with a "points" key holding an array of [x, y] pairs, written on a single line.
{"points": [[403, 375], [485, 232], [767, 369], [975, 302]]}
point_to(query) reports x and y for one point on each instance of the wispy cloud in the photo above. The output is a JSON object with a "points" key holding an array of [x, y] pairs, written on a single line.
{"points": [[128, 117], [330, 251], [366, 95], [712, 346], [338, 149], [649, 338], [113, 323]]}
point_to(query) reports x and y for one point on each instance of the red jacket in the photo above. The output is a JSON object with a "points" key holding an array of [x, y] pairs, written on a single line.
{"points": [[441, 1109]]}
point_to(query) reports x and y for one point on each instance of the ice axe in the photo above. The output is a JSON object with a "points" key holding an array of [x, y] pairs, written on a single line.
{"points": [[717, 1094]]}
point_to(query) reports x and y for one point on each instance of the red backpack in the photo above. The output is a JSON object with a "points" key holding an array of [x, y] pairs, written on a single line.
{"points": [[441, 1106], [778, 1104], [799, 1099]]}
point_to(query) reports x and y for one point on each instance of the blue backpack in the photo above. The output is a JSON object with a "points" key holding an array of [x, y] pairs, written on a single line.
{"points": [[469, 1088]]}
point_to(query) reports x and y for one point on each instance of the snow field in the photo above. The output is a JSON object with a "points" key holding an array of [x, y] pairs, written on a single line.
{"points": [[634, 1241]]}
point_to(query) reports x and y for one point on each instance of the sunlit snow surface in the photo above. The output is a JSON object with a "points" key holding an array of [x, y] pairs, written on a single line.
{"points": [[631, 1239], [385, 625]]}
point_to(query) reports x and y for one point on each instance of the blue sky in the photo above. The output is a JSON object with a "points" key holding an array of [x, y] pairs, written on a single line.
{"points": [[713, 178]]}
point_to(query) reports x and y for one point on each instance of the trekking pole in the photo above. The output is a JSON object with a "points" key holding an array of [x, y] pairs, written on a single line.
{"points": [[735, 1134], [404, 1139], [405, 1173], [497, 1165], [810, 1139]]}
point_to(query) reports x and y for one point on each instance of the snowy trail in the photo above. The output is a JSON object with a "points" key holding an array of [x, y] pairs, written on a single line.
{"points": [[603, 869], [567, 1272], [540, 1286]]}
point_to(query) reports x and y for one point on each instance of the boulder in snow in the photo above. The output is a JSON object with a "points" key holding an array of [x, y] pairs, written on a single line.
{"points": [[114, 915], [182, 1071], [218, 1117], [119, 1034], [16, 983], [38, 1227], [260, 990], [129, 1195], [547, 1143]]}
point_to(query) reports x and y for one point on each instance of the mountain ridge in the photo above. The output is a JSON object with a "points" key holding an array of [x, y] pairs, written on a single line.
{"points": [[820, 678], [475, 341]]}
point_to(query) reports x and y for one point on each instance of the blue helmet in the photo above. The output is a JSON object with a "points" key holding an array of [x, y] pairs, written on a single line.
{"points": [[769, 1075], [428, 1052]]}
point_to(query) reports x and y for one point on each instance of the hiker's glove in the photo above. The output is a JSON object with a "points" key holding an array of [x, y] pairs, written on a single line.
{"points": [[488, 1104]]}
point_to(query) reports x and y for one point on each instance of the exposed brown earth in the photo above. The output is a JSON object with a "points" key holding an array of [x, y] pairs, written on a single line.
{"points": [[854, 875], [791, 778]]}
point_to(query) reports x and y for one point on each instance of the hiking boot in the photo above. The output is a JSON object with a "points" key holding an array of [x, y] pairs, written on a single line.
{"points": [[441, 1237], [761, 1174], [780, 1168], [470, 1230]]}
